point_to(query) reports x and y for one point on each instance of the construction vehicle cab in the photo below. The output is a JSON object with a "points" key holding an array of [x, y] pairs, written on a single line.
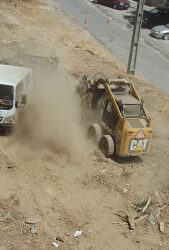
{"points": [[125, 128]]}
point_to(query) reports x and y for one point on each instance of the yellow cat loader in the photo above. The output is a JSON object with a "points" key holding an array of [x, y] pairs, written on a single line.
{"points": [[125, 128]]}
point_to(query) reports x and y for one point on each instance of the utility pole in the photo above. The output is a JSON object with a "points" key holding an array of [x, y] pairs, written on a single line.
{"points": [[135, 38]]}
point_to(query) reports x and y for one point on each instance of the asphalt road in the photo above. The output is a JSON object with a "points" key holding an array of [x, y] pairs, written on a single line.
{"points": [[150, 65]]}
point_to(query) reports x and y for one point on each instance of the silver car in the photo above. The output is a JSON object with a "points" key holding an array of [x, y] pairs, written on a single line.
{"points": [[161, 31]]}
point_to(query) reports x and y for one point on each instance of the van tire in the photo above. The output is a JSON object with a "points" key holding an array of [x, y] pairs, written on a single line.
{"points": [[107, 145], [95, 132]]}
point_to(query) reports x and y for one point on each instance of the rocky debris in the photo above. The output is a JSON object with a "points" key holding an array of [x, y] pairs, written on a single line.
{"points": [[33, 219], [161, 226]]}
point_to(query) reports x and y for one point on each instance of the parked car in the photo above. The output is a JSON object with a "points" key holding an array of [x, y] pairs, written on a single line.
{"points": [[115, 4], [161, 31], [154, 17]]}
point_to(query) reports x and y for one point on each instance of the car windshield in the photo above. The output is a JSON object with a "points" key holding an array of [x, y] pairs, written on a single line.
{"points": [[6, 96], [132, 110], [154, 11], [167, 25]]}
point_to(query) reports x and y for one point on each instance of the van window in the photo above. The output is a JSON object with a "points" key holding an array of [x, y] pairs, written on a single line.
{"points": [[19, 91], [6, 96]]}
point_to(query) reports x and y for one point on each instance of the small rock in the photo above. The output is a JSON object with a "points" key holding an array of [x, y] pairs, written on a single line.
{"points": [[55, 244], [11, 165], [161, 226], [77, 234], [125, 190], [102, 171], [130, 221], [91, 65], [33, 220]]}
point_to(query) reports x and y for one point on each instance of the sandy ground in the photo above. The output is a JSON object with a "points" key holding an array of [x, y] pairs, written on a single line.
{"points": [[46, 172]]}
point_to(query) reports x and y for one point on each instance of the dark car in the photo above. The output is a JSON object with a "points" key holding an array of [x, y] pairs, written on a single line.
{"points": [[115, 4], [154, 17]]}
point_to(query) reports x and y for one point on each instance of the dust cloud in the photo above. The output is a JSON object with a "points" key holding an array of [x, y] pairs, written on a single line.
{"points": [[52, 117]]}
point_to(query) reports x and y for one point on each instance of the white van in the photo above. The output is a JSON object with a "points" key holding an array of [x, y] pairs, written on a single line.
{"points": [[15, 84]]}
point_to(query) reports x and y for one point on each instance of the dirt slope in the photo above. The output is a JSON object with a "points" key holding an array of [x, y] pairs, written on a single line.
{"points": [[45, 168]]}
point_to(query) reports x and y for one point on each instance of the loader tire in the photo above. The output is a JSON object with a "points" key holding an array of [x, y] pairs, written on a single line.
{"points": [[107, 145], [95, 132]]}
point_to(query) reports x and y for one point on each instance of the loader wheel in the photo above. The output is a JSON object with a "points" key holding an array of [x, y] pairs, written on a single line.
{"points": [[95, 132], [107, 145]]}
